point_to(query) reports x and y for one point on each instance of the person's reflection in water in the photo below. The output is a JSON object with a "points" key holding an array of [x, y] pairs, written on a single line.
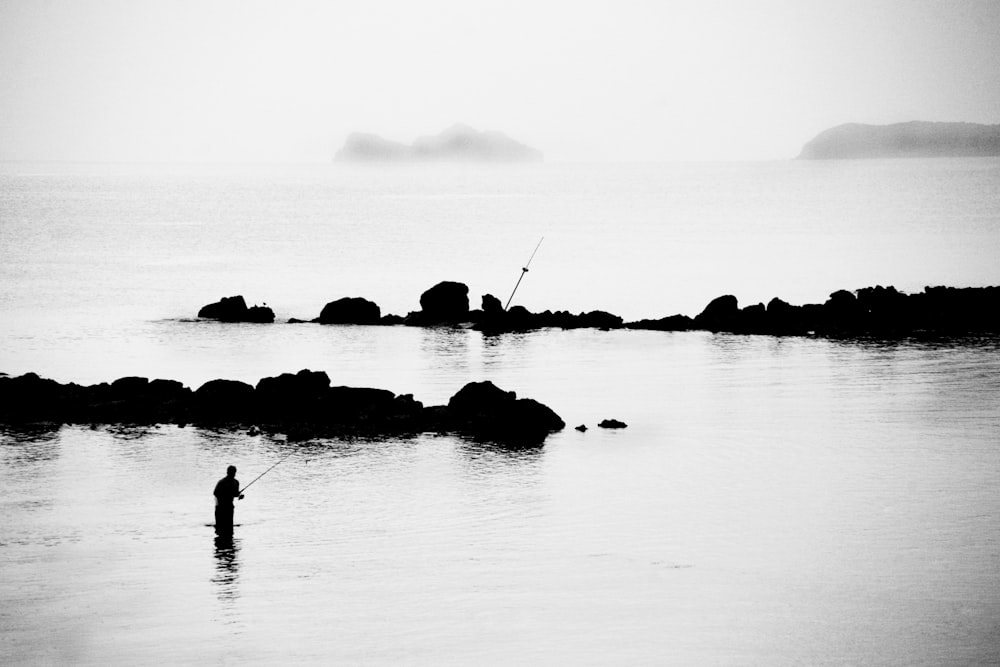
{"points": [[227, 566]]}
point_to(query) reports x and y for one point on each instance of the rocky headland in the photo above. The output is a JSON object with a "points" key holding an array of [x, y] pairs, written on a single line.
{"points": [[901, 140], [301, 405], [459, 143]]}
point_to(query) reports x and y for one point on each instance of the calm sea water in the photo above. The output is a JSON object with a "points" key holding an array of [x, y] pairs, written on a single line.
{"points": [[772, 502]]}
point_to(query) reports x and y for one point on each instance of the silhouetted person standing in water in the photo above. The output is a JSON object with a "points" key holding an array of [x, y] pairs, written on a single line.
{"points": [[227, 489]]}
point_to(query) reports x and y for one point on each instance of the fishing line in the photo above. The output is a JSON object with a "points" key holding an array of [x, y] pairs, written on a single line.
{"points": [[524, 270], [282, 460]]}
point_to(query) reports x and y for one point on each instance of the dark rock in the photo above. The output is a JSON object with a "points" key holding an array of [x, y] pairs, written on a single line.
{"points": [[224, 401], [842, 313], [489, 412], [287, 396], [784, 318], [878, 311], [234, 309], [529, 414], [598, 319], [30, 398], [885, 310], [721, 314], [129, 386], [491, 318], [671, 323], [363, 406], [520, 318], [303, 405], [350, 310], [951, 310], [812, 316], [136, 400], [491, 306], [229, 309], [445, 303], [167, 390], [752, 319], [259, 314], [477, 398], [582, 428], [612, 423]]}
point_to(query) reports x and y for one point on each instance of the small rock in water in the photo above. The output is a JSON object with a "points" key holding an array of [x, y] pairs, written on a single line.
{"points": [[581, 428], [612, 423]]}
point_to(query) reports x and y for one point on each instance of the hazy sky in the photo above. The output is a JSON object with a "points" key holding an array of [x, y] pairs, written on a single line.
{"points": [[667, 80]]}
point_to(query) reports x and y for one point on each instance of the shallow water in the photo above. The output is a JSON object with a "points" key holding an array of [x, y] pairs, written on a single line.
{"points": [[127, 243], [773, 501]]}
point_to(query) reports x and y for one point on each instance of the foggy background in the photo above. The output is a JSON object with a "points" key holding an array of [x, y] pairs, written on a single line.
{"points": [[142, 80]]}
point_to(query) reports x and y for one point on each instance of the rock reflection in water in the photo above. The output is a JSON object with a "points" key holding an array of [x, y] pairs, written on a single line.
{"points": [[29, 444]]}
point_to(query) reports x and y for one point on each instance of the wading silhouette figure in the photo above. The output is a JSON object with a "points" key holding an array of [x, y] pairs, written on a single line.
{"points": [[226, 490]]}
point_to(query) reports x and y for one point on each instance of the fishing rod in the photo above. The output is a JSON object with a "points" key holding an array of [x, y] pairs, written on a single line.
{"points": [[524, 270], [282, 460]]}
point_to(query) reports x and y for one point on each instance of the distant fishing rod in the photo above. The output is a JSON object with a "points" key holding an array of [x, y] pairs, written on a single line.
{"points": [[282, 460], [524, 270]]}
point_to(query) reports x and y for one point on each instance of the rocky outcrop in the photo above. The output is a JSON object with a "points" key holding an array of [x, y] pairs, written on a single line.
{"points": [[350, 310], [521, 319], [913, 139], [721, 314], [302, 404], [234, 309], [871, 311], [485, 410], [223, 401], [445, 303], [669, 323]]}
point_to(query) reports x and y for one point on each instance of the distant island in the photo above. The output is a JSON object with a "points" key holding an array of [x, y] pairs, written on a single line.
{"points": [[457, 143], [913, 139]]}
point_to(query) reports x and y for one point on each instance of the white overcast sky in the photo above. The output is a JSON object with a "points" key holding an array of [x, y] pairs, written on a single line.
{"points": [[138, 80]]}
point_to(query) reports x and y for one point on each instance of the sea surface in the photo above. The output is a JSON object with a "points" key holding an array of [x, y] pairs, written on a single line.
{"points": [[773, 501]]}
